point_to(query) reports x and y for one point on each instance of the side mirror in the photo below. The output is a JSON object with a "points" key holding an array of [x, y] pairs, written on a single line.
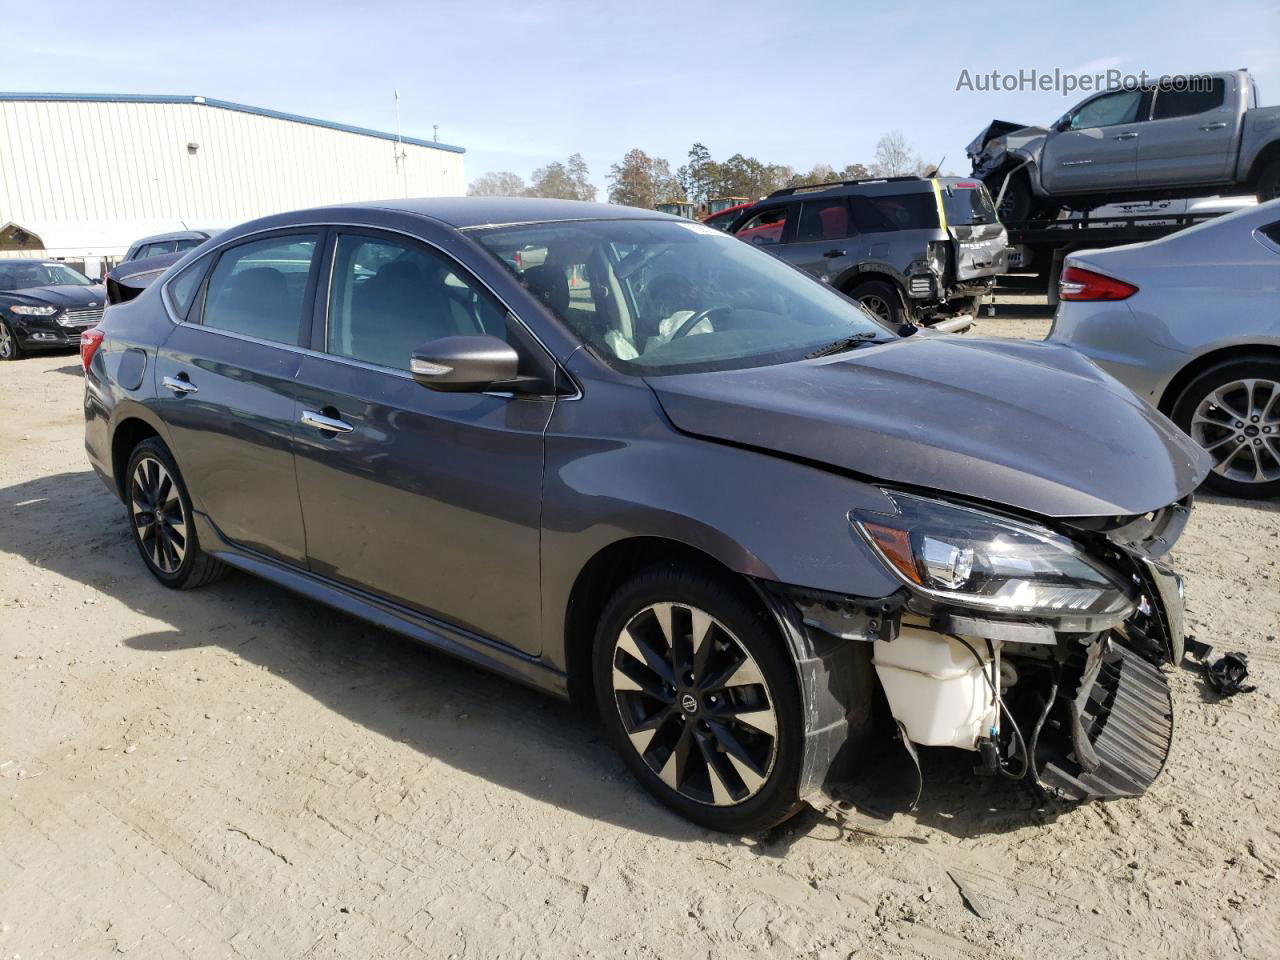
{"points": [[464, 364]]}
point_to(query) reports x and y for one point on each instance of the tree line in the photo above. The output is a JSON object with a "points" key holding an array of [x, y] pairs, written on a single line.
{"points": [[641, 180]]}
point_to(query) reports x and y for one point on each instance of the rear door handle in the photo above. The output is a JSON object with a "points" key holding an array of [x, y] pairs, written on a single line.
{"points": [[1213, 126], [180, 385], [1125, 136], [312, 418], [832, 254]]}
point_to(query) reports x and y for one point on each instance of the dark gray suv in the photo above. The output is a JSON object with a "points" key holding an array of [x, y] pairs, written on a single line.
{"points": [[660, 470], [909, 249]]}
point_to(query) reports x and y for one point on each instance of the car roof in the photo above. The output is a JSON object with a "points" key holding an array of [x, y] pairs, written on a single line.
{"points": [[175, 235], [464, 212], [874, 187]]}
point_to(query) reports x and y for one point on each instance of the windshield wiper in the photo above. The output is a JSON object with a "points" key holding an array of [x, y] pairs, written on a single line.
{"points": [[851, 342]]}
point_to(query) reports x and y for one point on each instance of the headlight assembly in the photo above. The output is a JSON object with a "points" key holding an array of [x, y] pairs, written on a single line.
{"points": [[23, 310], [981, 561]]}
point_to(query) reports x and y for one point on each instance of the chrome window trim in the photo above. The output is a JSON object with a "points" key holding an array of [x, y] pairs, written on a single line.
{"points": [[214, 251]]}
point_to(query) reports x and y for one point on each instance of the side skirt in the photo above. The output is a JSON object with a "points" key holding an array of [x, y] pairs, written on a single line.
{"points": [[471, 647]]}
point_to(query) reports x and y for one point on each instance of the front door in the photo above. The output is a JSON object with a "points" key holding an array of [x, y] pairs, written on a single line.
{"points": [[225, 380], [429, 499], [1096, 147]]}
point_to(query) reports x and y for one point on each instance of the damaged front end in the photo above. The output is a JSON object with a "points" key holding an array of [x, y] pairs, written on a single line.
{"points": [[1037, 649]]}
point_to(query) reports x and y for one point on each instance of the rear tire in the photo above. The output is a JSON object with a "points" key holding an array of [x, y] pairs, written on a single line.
{"points": [[883, 300], [713, 729], [10, 349], [160, 518], [1268, 184], [1233, 411]]}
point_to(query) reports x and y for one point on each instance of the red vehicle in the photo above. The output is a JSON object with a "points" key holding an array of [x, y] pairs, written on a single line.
{"points": [[722, 218]]}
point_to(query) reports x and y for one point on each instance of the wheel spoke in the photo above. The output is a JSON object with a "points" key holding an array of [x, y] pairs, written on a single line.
{"points": [[701, 627], [720, 794], [745, 765], [676, 768], [643, 653]]}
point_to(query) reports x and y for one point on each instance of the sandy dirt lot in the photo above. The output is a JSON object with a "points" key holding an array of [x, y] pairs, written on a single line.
{"points": [[237, 772]]}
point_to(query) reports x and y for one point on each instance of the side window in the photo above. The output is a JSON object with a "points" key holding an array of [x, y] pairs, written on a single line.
{"points": [[1189, 102], [389, 297], [258, 288], [765, 227], [900, 211], [181, 290], [182, 245], [823, 220], [155, 249], [1108, 110]]}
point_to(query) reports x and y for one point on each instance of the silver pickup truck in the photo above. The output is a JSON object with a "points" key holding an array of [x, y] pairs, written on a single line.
{"points": [[1197, 135]]}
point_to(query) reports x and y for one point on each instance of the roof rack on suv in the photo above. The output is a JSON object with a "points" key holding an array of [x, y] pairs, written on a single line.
{"points": [[788, 191]]}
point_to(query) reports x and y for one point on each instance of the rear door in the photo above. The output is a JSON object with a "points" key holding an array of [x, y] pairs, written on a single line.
{"points": [[429, 499], [823, 242], [1192, 134], [1096, 147], [225, 380]]}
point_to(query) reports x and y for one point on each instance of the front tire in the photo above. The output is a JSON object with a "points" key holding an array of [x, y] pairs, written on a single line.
{"points": [[10, 349], [1233, 411], [697, 692], [161, 520]]}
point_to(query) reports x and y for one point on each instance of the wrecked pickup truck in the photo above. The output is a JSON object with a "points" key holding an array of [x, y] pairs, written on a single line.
{"points": [[1197, 135]]}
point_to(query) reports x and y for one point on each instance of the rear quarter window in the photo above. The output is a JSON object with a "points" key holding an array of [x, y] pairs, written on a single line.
{"points": [[899, 211]]}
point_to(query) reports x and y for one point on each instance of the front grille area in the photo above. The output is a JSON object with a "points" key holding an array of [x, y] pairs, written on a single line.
{"points": [[87, 317]]}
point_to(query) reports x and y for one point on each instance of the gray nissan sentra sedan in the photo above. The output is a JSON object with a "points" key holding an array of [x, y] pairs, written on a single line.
{"points": [[647, 465]]}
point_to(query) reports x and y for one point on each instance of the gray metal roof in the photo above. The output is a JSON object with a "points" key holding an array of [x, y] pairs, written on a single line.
{"points": [[464, 212], [223, 105]]}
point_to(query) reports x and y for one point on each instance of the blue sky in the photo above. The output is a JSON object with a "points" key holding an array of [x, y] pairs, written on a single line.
{"points": [[520, 84]]}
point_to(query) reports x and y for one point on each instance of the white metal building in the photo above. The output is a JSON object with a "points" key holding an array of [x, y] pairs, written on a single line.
{"points": [[84, 175]]}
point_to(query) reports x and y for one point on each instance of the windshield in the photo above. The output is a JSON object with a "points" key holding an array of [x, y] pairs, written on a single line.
{"points": [[967, 204], [23, 275], [653, 297]]}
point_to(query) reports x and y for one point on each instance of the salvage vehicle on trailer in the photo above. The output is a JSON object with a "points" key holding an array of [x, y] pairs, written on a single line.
{"points": [[1191, 136], [44, 305], [715, 497], [909, 249]]}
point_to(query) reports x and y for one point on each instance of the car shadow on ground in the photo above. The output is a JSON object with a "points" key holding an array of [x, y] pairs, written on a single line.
{"points": [[444, 709]]}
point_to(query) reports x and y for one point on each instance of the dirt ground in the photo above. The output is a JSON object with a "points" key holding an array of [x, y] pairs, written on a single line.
{"points": [[238, 772]]}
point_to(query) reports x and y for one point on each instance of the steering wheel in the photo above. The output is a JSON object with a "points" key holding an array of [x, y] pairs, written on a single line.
{"points": [[697, 318]]}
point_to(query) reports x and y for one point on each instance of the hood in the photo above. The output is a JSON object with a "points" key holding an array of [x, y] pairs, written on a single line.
{"points": [[1000, 138], [70, 295], [1033, 426]]}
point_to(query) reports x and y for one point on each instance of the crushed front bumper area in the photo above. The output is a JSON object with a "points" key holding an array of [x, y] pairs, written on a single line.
{"points": [[1118, 725], [1080, 716]]}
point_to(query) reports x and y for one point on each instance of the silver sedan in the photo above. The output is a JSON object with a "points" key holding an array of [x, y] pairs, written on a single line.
{"points": [[1191, 323]]}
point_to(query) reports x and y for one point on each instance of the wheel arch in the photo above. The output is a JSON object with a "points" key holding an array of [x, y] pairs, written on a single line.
{"points": [[605, 572], [848, 283], [128, 433], [1206, 361], [1264, 159]]}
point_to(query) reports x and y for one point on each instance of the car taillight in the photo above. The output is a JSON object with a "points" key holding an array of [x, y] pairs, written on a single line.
{"points": [[90, 341], [1079, 284]]}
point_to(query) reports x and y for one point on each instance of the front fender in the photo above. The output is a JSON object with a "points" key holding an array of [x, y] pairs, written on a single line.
{"points": [[616, 470]]}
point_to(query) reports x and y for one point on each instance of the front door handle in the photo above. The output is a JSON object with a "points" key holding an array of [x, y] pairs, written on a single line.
{"points": [[832, 254], [1125, 136], [1213, 126], [312, 418], [180, 385]]}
